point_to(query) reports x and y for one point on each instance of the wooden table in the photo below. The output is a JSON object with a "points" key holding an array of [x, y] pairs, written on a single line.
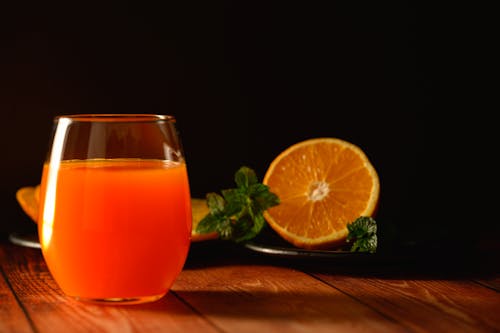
{"points": [[227, 288]]}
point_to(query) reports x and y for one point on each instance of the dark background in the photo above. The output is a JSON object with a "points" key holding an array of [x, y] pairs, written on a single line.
{"points": [[245, 81]]}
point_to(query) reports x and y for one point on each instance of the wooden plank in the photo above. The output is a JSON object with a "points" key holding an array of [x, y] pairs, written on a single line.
{"points": [[51, 311], [258, 298], [443, 305], [12, 317], [492, 282]]}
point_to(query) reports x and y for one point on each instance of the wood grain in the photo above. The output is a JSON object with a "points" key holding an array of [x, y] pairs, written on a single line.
{"points": [[12, 317], [443, 305], [51, 311], [255, 298], [219, 292]]}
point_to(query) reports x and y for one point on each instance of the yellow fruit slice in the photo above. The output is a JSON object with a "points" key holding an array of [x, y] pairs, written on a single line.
{"points": [[323, 184], [28, 199]]}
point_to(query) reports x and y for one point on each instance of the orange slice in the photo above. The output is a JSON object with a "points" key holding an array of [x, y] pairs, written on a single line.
{"points": [[323, 184], [28, 199]]}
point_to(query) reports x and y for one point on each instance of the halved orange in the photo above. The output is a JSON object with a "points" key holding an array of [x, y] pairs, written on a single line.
{"points": [[323, 184], [28, 199]]}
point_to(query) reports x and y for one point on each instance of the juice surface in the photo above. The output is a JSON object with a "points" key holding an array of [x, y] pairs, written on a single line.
{"points": [[115, 228]]}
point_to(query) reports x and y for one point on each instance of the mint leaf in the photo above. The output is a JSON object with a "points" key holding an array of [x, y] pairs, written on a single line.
{"points": [[245, 177], [215, 202], [237, 213], [363, 235]]}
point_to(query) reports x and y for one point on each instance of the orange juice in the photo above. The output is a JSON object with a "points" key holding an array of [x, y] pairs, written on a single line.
{"points": [[117, 228]]}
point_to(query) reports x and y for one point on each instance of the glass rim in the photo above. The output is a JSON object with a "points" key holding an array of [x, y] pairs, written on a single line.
{"points": [[116, 117]]}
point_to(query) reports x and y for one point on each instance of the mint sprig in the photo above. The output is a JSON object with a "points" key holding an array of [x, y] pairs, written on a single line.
{"points": [[363, 235], [237, 213]]}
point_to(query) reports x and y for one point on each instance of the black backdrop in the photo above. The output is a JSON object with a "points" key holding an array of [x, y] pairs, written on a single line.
{"points": [[245, 81]]}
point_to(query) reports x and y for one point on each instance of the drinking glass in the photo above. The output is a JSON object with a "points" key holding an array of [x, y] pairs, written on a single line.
{"points": [[115, 217]]}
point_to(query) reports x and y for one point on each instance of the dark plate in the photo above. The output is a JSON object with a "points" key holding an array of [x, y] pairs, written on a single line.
{"points": [[27, 239], [271, 244]]}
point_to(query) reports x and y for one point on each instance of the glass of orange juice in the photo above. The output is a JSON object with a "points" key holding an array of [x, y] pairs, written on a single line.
{"points": [[115, 217]]}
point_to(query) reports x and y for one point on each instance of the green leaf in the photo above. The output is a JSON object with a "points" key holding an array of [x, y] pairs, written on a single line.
{"points": [[266, 199], [215, 203], [237, 213], [259, 223], [208, 224], [245, 177], [362, 233], [225, 228]]}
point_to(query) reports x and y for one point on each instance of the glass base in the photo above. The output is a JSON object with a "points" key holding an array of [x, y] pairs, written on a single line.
{"points": [[119, 300]]}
